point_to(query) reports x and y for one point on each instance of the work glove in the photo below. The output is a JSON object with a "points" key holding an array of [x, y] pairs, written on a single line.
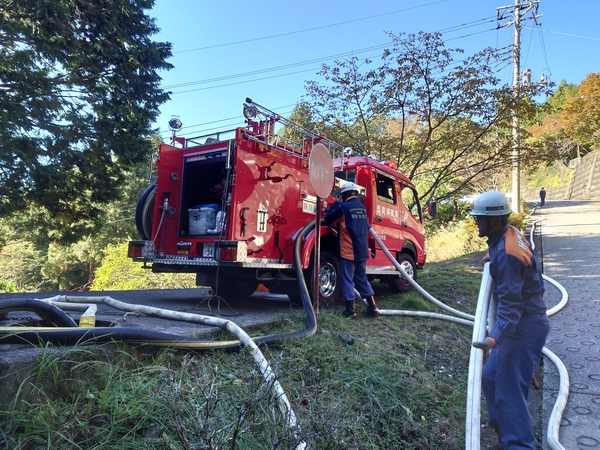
{"points": [[485, 259], [486, 345]]}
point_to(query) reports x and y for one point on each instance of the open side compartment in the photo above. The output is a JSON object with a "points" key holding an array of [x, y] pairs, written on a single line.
{"points": [[205, 188]]}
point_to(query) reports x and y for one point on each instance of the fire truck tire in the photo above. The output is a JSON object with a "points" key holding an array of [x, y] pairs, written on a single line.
{"points": [[398, 283], [330, 279], [143, 212], [236, 288]]}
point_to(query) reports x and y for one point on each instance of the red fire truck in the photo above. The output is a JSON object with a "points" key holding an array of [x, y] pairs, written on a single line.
{"points": [[228, 207]]}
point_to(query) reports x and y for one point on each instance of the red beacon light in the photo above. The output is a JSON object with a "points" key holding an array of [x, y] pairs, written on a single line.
{"points": [[391, 164]]}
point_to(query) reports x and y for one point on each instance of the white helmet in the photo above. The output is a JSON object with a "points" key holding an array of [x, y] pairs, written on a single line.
{"points": [[349, 186], [491, 203]]}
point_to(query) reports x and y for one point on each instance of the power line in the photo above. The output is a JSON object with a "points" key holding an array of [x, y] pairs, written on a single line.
{"points": [[309, 29], [504, 57], [274, 69], [470, 34], [474, 23], [245, 81], [312, 61], [573, 35], [543, 45], [236, 120]]}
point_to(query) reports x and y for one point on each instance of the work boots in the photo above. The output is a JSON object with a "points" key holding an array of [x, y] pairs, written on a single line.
{"points": [[371, 307], [496, 428], [350, 310]]}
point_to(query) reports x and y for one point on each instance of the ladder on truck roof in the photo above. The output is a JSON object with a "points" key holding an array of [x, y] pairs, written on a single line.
{"points": [[293, 139]]}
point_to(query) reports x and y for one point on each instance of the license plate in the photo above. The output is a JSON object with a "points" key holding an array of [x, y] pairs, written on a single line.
{"points": [[208, 250]]}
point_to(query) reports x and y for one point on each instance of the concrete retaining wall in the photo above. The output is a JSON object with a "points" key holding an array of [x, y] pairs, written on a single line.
{"points": [[583, 185]]}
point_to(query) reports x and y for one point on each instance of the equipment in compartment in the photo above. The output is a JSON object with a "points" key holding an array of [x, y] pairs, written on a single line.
{"points": [[202, 218]]}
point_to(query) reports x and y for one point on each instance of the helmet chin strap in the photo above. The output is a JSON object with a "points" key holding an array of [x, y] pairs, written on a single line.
{"points": [[492, 224]]}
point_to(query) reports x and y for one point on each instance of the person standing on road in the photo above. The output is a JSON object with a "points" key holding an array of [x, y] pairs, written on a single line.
{"points": [[517, 337], [542, 196], [350, 216]]}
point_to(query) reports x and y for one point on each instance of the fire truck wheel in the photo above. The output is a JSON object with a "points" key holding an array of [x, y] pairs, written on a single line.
{"points": [[329, 276], [399, 283], [235, 288]]}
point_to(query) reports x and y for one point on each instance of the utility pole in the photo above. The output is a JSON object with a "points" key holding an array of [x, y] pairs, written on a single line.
{"points": [[517, 14]]}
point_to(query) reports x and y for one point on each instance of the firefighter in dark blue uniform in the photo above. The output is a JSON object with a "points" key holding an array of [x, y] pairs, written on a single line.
{"points": [[350, 216], [519, 333]]}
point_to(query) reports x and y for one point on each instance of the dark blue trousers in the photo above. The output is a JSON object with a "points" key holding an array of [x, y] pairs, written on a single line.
{"points": [[507, 376], [354, 275]]}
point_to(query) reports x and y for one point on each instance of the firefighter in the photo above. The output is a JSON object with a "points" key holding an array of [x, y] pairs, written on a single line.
{"points": [[517, 337], [350, 216], [542, 196]]}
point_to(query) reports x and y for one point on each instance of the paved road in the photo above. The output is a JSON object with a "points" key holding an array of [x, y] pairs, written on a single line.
{"points": [[571, 256]]}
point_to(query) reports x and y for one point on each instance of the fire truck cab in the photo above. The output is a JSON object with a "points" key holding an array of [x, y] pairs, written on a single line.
{"points": [[228, 207]]}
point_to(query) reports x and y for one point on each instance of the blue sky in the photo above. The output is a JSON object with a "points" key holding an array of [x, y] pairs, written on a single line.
{"points": [[226, 51]]}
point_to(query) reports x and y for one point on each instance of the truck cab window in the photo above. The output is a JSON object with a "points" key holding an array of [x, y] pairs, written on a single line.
{"points": [[411, 201], [348, 175], [385, 189]]}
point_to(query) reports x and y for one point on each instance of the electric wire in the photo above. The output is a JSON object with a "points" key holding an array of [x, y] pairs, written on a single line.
{"points": [[311, 61], [246, 81], [573, 35], [503, 59], [310, 29], [354, 52], [287, 66], [276, 68]]}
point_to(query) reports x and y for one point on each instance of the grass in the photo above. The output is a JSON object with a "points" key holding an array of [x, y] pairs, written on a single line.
{"points": [[401, 384]]}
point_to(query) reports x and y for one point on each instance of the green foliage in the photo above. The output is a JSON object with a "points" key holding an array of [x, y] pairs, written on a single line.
{"points": [[553, 176], [61, 266], [453, 240], [519, 220], [79, 91], [8, 286], [563, 92], [21, 267], [449, 210], [118, 272], [548, 131]]}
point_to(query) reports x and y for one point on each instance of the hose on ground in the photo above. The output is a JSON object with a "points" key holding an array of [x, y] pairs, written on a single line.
{"points": [[484, 305], [69, 335], [46, 311], [74, 336], [422, 291]]}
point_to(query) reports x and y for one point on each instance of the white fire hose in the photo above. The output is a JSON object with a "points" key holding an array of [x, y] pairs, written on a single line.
{"points": [[284, 405], [484, 317]]}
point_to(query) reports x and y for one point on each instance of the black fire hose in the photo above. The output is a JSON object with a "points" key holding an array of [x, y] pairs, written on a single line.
{"points": [[50, 313], [311, 319], [70, 334]]}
